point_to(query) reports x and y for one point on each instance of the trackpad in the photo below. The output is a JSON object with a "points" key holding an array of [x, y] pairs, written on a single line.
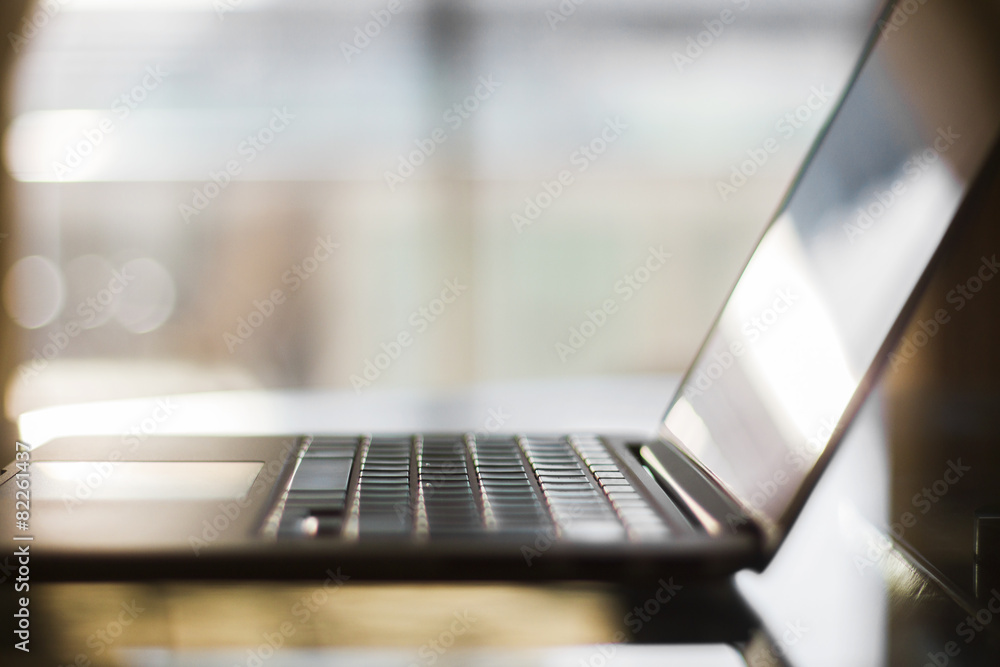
{"points": [[142, 480], [144, 504]]}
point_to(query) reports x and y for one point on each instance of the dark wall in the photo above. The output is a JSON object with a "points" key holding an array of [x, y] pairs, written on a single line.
{"points": [[944, 403]]}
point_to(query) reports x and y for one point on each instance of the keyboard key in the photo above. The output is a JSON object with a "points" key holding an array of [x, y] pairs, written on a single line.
{"points": [[322, 475]]}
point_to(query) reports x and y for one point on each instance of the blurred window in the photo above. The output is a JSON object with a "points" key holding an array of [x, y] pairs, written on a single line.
{"points": [[220, 194]]}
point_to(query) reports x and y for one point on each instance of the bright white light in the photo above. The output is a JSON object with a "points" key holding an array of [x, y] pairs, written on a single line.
{"points": [[800, 367], [91, 291], [33, 291], [222, 7], [148, 300]]}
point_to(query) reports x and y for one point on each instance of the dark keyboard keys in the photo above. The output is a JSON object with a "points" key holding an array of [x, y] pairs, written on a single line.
{"points": [[511, 504], [316, 501], [446, 504], [577, 504], [641, 521], [463, 487], [383, 502]]}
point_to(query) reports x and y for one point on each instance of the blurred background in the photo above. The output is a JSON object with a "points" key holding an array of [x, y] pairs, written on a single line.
{"points": [[238, 194], [205, 195]]}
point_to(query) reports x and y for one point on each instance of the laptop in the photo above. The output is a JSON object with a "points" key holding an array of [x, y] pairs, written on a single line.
{"points": [[814, 316]]}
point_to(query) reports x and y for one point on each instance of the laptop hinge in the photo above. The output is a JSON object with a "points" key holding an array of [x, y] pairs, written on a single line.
{"points": [[706, 501]]}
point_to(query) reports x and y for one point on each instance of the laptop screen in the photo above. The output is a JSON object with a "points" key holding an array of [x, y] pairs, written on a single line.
{"points": [[834, 270]]}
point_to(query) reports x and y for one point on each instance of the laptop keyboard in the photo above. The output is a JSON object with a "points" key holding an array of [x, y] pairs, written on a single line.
{"points": [[432, 487]]}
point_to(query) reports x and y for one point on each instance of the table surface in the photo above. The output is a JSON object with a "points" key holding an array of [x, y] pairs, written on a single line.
{"points": [[839, 592]]}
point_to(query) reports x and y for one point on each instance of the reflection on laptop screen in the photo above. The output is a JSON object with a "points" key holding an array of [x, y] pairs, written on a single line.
{"points": [[832, 273]]}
